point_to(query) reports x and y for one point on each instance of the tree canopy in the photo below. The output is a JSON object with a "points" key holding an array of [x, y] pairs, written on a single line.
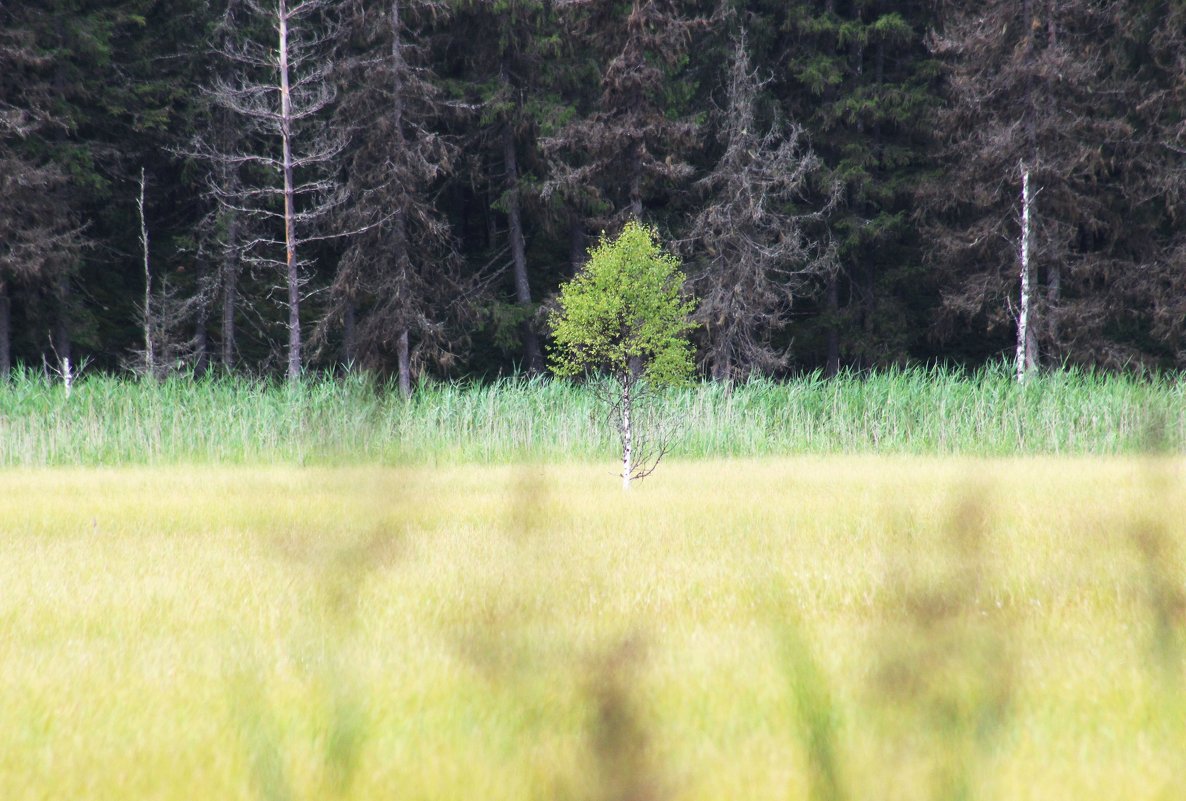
{"points": [[625, 312], [841, 178]]}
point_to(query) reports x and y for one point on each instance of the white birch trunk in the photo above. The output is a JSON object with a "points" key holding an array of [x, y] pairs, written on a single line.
{"points": [[1025, 349], [627, 438]]}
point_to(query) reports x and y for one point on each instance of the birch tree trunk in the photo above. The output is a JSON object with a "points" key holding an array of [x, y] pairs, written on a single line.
{"points": [[293, 278], [1026, 338], [61, 336], [627, 435]]}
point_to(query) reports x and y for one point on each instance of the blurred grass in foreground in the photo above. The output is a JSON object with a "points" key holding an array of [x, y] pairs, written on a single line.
{"points": [[813, 628], [355, 420]]}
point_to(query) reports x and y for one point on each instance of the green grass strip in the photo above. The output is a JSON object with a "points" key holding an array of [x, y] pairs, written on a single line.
{"points": [[358, 419]]}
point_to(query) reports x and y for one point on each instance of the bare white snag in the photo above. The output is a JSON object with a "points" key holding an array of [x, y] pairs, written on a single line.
{"points": [[294, 298], [149, 345], [63, 369], [1026, 356], [280, 169]]}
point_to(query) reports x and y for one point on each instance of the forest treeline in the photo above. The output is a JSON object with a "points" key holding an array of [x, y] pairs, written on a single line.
{"points": [[273, 186]]}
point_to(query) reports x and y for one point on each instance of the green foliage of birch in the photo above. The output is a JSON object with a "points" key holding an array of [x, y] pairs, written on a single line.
{"points": [[626, 304]]}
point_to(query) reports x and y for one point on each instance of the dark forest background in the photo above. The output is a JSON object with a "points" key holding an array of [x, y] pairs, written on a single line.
{"points": [[842, 179]]}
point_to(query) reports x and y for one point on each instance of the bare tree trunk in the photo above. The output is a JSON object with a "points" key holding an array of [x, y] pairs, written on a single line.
{"points": [[349, 337], [1053, 297], [405, 367], [302, 170], [293, 278], [832, 362], [532, 358], [202, 321], [1027, 342], [627, 436], [1027, 346], [636, 183], [5, 333], [149, 345], [400, 239], [230, 294]]}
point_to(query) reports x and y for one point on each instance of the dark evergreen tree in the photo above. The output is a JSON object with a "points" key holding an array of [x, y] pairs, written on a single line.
{"points": [[399, 281], [512, 69], [118, 75], [1030, 222], [1146, 304], [552, 119], [40, 234], [628, 148], [860, 80]]}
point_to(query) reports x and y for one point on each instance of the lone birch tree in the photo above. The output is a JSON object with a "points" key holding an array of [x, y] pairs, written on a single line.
{"points": [[625, 315]]}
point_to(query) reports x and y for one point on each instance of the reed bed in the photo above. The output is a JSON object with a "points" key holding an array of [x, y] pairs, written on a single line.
{"points": [[359, 420]]}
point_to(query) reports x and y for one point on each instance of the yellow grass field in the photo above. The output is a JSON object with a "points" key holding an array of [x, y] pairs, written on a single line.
{"points": [[816, 628]]}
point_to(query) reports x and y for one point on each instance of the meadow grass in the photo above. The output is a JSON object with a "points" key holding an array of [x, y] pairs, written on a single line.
{"points": [[809, 628], [358, 420]]}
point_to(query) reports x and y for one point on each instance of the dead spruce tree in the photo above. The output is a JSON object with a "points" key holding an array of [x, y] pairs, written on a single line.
{"points": [[399, 281], [756, 243], [279, 89]]}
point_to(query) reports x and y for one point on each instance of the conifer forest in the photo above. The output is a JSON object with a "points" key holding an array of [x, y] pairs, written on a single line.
{"points": [[278, 186]]}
